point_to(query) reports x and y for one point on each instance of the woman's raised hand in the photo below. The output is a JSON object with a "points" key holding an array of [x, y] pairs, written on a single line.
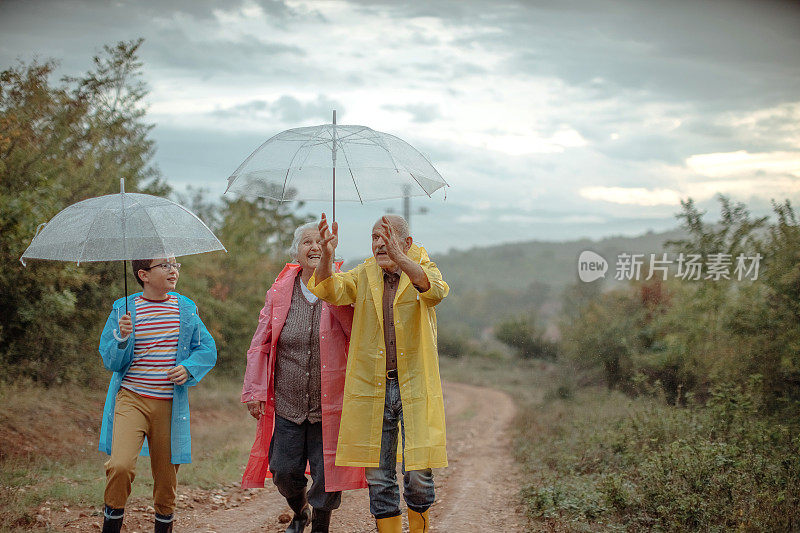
{"points": [[329, 238]]}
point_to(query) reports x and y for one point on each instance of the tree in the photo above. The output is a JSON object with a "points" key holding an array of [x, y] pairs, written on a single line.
{"points": [[229, 288], [60, 143], [522, 334]]}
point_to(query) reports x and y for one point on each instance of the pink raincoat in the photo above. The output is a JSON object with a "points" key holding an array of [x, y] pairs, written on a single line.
{"points": [[334, 330]]}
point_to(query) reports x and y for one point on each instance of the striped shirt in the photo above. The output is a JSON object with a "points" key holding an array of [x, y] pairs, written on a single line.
{"points": [[155, 348]]}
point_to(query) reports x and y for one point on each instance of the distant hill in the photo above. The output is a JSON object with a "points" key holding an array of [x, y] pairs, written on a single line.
{"points": [[516, 265], [489, 284]]}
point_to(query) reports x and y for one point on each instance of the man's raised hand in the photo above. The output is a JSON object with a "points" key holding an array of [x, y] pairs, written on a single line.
{"points": [[389, 237]]}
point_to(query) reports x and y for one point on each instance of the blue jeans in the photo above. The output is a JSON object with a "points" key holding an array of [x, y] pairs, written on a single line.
{"points": [[384, 494]]}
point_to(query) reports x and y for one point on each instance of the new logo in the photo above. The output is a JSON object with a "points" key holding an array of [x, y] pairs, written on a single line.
{"points": [[591, 266]]}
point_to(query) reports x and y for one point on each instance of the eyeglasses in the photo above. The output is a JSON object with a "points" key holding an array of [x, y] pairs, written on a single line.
{"points": [[166, 267]]}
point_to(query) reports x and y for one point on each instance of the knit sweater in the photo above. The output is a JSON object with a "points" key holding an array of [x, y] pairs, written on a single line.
{"points": [[298, 379]]}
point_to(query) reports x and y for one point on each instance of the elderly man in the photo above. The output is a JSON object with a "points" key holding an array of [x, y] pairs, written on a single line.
{"points": [[392, 369]]}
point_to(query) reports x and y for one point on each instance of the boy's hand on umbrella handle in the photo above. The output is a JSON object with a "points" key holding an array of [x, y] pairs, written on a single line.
{"points": [[125, 325], [256, 409], [178, 375]]}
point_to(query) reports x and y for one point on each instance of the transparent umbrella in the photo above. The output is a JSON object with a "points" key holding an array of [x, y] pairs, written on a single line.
{"points": [[304, 163], [121, 227]]}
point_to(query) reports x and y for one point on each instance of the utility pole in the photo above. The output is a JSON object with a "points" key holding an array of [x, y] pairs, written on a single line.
{"points": [[407, 206]]}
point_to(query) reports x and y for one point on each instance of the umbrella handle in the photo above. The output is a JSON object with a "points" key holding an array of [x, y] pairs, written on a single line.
{"points": [[121, 339]]}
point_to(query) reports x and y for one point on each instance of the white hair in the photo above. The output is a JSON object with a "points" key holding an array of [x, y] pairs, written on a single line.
{"points": [[400, 225], [298, 234]]}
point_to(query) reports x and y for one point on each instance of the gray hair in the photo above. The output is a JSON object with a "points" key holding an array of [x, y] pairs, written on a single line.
{"points": [[298, 234]]}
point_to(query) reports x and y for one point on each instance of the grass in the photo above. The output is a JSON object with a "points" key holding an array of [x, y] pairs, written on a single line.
{"points": [[524, 380], [597, 460], [592, 459], [50, 456], [606, 461]]}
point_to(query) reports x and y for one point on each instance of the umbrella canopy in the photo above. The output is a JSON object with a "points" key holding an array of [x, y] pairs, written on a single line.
{"points": [[120, 227], [303, 164]]}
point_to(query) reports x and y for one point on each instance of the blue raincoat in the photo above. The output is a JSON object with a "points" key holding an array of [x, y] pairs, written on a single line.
{"points": [[197, 352]]}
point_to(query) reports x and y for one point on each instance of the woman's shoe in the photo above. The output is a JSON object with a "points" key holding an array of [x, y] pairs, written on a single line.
{"points": [[320, 521], [302, 514]]}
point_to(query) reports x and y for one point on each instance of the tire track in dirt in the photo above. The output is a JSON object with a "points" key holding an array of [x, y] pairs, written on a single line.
{"points": [[479, 492]]}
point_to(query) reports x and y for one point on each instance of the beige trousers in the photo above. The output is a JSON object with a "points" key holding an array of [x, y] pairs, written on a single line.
{"points": [[134, 418]]}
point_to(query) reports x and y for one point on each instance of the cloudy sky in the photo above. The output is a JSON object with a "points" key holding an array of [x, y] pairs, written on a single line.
{"points": [[550, 120]]}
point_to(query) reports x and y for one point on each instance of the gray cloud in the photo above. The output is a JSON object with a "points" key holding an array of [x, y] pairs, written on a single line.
{"points": [[286, 109], [247, 55], [671, 79], [127, 11], [723, 54], [653, 147], [419, 112], [291, 110], [778, 132], [182, 46]]}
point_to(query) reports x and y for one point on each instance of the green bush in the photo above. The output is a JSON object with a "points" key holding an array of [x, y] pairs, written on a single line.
{"points": [[718, 465], [522, 335], [61, 142], [453, 341]]}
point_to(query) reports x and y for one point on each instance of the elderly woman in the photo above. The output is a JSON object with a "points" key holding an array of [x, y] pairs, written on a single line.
{"points": [[293, 386]]}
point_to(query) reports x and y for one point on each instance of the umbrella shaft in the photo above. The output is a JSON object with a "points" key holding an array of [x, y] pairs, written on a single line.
{"points": [[125, 280], [334, 194]]}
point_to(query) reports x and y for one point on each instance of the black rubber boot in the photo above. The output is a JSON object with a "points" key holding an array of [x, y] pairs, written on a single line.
{"points": [[163, 523], [302, 514], [112, 519], [320, 521]]}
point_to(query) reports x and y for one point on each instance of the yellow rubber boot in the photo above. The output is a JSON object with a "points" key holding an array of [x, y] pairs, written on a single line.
{"points": [[418, 522], [390, 525]]}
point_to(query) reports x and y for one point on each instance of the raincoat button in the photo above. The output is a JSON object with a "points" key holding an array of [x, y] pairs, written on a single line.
{"points": [[324, 395], [379, 383], [322, 336], [323, 366]]}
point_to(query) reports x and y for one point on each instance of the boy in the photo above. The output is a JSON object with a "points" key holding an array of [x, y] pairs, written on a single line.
{"points": [[165, 349]]}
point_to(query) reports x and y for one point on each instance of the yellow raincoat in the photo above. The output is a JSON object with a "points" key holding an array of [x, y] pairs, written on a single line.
{"points": [[417, 364]]}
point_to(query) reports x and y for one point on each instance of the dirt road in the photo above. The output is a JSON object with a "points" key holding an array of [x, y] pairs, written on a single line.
{"points": [[477, 492]]}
